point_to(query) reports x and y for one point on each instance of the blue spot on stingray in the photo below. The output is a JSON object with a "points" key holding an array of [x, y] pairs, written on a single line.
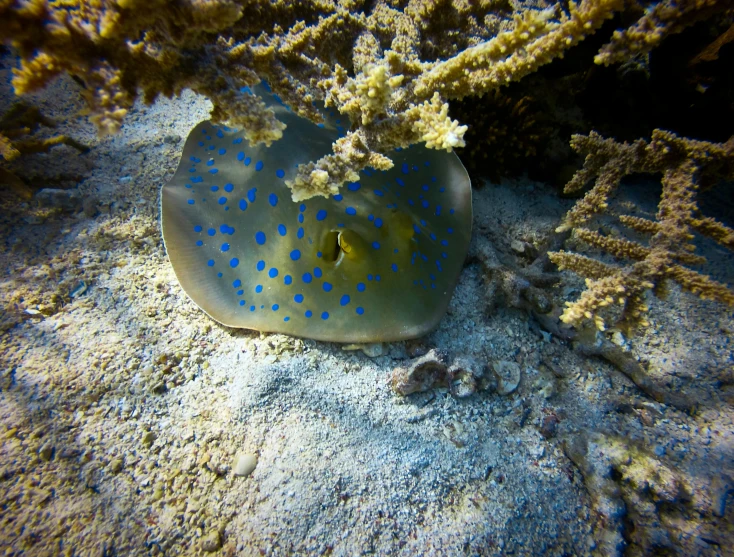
{"points": [[369, 277], [371, 217], [378, 193], [405, 168], [317, 272], [425, 204], [377, 278], [376, 245], [351, 211], [318, 254], [344, 300], [222, 151], [287, 280], [354, 186], [242, 302], [444, 242], [273, 199], [213, 171], [394, 267], [225, 247], [378, 222], [360, 310], [248, 160], [272, 273], [234, 262], [252, 308], [211, 232], [450, 230], [228, 187], [300, 232], [199, 243], [432, 236], [259, 288], [424, 187], [210, 162], [296, 255], [260, 265], [260, 238], [307, 278], [237, 283], [197, 179], [214, 188], [191, 201], [240, 292], [251, 195], [281, 229], [275, 307], [243, 204], [338, 197], [325, 315], [400, 182], [327, 287], [222, 200], [416, 229], [361, 287], [259, 166], [210, 263], [280, 173], [298, 298], [240, 156], [442, 190], [308, 313], [286, 319], [321, 215], [302, 207]]}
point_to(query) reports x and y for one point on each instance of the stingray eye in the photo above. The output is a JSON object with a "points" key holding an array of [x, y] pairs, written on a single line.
{"points": [[377, 262]]}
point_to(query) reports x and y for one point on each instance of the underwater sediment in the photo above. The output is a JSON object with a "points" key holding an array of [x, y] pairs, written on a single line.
{"points": [[566, 387]]}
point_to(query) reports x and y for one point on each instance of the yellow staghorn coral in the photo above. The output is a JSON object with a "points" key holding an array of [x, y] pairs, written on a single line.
{"points": [[659, 20], [432, 123], [617, 293], [391, 67]]}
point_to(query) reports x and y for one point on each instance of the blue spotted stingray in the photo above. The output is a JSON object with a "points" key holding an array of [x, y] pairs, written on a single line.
{"points": [[378, 262]]}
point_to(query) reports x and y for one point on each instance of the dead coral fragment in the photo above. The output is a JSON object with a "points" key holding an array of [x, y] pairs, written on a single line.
{"points": [[619, 291], [463, 377]]}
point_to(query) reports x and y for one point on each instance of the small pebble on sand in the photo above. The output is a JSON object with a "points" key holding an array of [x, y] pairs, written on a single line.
{"points": [[244, 464]]}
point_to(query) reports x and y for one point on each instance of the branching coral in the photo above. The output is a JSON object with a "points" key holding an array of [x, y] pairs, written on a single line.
{"points": [[658, 21], [686, 165], [16, 128], [391, 71]]}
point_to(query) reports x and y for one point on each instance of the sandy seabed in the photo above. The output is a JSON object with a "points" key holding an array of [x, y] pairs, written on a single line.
{"points": [[124, 408]]}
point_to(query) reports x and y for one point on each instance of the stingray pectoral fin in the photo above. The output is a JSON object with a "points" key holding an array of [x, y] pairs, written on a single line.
{"points": [[379, 262]]}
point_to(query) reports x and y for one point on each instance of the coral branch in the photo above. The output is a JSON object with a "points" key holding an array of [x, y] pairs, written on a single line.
{"points": [[684, 164]]}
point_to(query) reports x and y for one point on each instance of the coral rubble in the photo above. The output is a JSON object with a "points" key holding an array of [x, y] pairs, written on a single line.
{"points": [[618, 292]]}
